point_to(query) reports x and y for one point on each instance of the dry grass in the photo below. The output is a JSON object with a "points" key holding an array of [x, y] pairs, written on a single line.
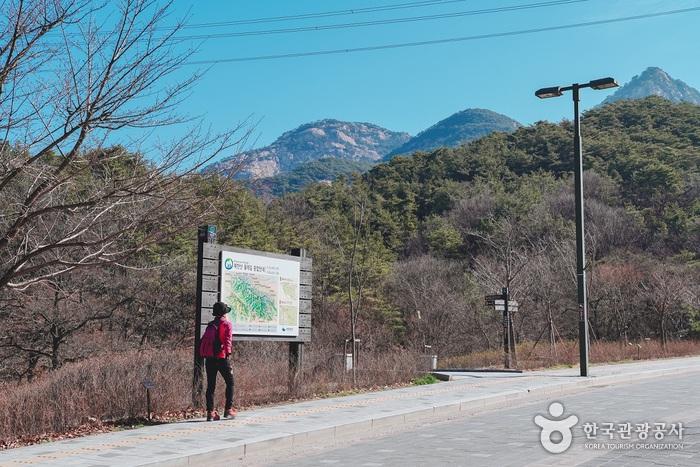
{"points": [[93, 391], [567, 354], [93, 394]]}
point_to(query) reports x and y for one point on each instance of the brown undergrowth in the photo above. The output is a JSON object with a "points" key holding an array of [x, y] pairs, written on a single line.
{"points": [[106, 393], [543, 355]]}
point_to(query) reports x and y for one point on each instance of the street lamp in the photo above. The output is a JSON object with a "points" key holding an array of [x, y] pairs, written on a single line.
{"points": [[556, 91]]}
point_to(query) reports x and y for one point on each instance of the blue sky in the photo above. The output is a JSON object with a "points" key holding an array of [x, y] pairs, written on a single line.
{"points": [[409, 89]]}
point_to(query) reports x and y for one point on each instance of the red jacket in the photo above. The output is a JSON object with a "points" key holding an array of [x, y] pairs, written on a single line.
{"points": [[226, 337], [225, 329]]}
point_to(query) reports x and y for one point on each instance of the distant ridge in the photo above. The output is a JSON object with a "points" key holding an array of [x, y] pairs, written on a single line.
{"points": [[457, 129]]}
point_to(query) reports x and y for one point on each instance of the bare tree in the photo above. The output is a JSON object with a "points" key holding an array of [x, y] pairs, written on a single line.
{"points": [[54, 313], [72, 75], [544, 300], [615, 301], [666, 292], [430, 293], [354, 252], [510, 248]]}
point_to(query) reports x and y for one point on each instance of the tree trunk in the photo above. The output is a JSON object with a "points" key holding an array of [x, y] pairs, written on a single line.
{"points": [[354, 356], [55, 359], [663, 332]]}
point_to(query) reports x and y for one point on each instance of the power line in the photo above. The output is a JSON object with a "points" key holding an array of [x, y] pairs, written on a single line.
{"points": [[442, 41], [382, 21], [528, 6], [326, 14]]}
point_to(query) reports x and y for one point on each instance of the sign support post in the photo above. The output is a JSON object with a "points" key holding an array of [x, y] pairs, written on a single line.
{"points": [[205, 234], [503, 303], [506, 330], [296, 349]]}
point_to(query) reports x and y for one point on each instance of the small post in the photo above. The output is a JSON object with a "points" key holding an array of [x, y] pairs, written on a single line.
{"points": [[296, 349], [511, 333], [347, 357], [205, 234], [148, 384], [506, 329]]}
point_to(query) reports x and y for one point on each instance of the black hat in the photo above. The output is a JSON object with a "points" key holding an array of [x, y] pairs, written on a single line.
{"points": [[220, 309]]}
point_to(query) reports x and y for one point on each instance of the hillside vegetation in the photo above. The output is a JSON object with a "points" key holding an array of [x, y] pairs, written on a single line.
{"points": [[459, 128], [404, 253], [326, 170], [424, 237]]}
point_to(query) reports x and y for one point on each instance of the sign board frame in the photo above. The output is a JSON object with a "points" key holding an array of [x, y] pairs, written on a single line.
{"points": [[208, 292], [211, 290]]}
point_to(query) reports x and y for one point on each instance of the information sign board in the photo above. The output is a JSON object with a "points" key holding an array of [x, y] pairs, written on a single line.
{"points": [[263, 293]]}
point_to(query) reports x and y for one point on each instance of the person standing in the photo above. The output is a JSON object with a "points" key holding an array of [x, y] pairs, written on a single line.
{"points": [[215, 347]]}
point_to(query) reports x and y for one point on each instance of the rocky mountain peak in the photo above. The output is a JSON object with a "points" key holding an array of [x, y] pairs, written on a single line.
{"points": [[656, 82], [352, 141]]}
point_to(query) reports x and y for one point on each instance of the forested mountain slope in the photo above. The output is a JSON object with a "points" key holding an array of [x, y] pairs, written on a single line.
{"points": [[648, 151], [459, 128]]}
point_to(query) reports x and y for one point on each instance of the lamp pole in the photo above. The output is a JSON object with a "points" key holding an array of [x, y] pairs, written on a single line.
{"points": [[544, 93], [580, 239]]}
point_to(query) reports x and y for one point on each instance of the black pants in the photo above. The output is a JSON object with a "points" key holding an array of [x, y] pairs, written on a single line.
{"points": [[223, 366]]}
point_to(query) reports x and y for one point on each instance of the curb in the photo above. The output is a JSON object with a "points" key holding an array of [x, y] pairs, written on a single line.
{"points": [[329, 436]]}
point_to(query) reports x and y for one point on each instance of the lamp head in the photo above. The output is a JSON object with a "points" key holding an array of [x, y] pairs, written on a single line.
{"points": [[546, 93], [603, 83]]}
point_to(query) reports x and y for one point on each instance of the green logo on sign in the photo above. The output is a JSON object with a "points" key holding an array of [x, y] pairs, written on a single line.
{"points": [[228, 264]]}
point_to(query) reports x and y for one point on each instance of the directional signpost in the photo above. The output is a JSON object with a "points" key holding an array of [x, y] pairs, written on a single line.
{"points": [[502, 302], [500, 305]]}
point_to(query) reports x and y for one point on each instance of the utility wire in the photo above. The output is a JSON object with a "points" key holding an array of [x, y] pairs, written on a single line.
{"points": [[442, 41], [379, 22], [326, 14], [410, 19]]}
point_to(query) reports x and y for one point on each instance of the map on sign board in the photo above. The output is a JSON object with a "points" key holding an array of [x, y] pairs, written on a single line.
{"points": [[263, 293]]}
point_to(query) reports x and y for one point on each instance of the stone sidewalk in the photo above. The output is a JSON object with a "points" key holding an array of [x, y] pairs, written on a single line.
{"points": [[327, 421]]}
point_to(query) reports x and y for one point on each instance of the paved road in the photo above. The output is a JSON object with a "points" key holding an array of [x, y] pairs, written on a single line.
{"points": [[509, 437]]}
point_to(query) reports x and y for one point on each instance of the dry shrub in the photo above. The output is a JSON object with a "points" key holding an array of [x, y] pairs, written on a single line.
{"points": [[109, 388], [566, 353], [102, 388]]}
